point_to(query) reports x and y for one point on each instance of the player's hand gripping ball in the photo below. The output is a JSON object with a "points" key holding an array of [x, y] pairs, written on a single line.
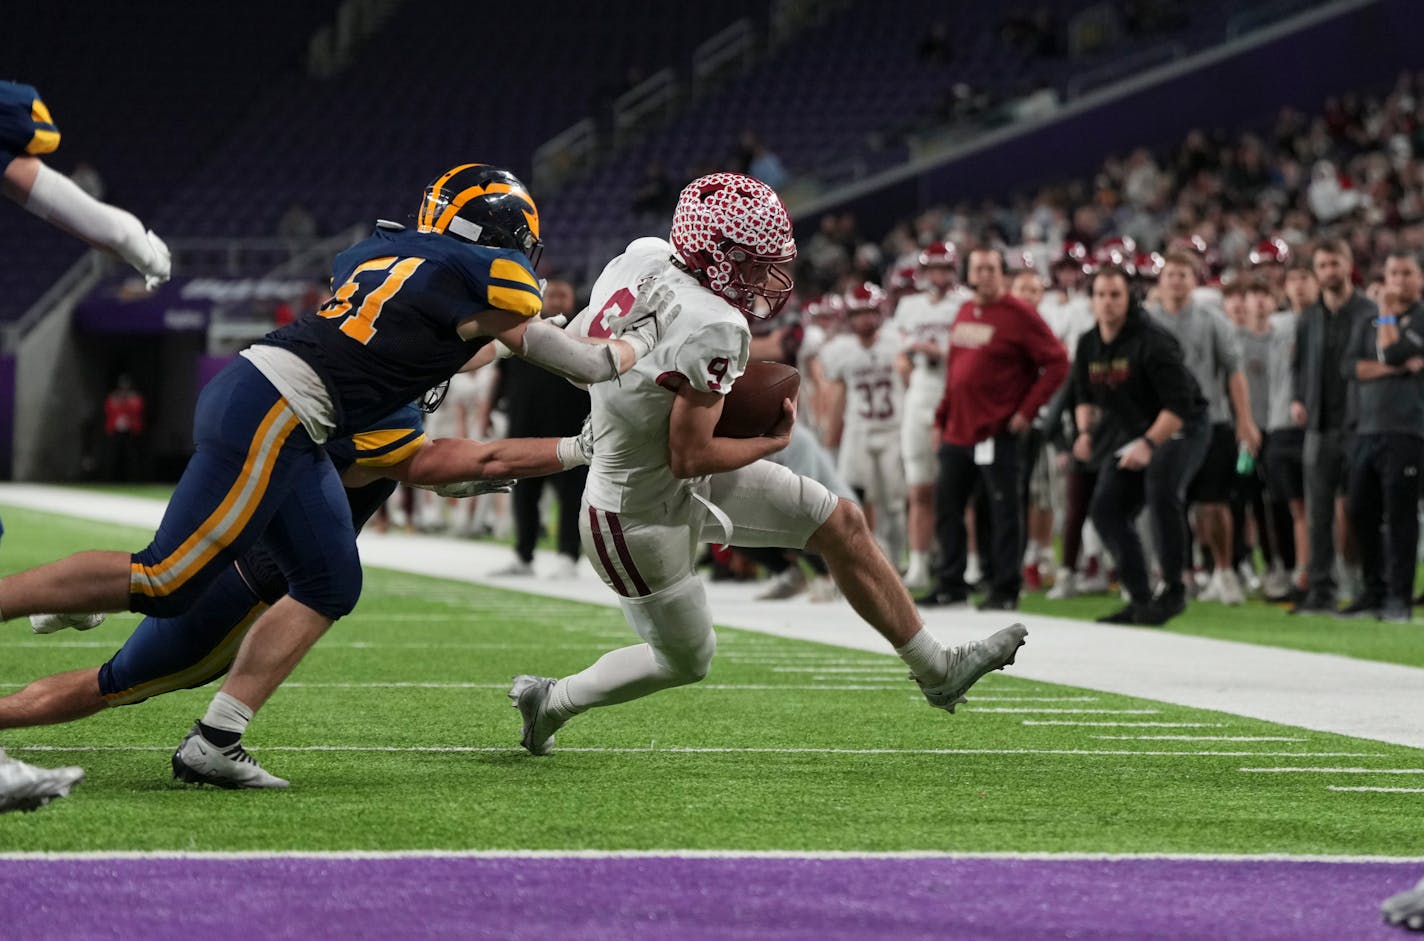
{"points": [[753, 407]]}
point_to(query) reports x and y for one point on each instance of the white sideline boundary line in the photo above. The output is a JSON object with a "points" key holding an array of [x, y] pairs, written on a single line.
{"points": [[1319, 692], [795, 855], [735, 750]]}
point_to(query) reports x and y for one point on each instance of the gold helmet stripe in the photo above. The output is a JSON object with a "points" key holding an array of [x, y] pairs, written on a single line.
{"points": [[425, 219], [458, 202]]}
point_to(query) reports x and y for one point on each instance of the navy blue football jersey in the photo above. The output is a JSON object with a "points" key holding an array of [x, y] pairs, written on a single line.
{"points": [[389, 331], [25, 124]]}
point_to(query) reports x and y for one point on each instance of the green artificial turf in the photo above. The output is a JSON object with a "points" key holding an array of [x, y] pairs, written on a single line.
{"points": [[618, 779]]}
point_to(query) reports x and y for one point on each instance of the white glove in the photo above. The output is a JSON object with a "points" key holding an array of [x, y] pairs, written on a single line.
{"points": [[157, 267], [649, 317], [577, 450], [49, 623], [474, 488], [585, 439]]}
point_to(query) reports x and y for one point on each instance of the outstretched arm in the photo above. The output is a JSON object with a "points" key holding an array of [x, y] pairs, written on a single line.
{"points": [[578, 359], [56, 199]]}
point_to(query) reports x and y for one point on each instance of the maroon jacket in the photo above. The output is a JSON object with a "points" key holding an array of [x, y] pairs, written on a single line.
{"points": [[1003, 360]]}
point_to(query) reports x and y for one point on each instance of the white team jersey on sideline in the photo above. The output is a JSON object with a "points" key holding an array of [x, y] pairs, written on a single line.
{"points": [[705, 340], [1068, 319], [919, 318], [874, 400]]}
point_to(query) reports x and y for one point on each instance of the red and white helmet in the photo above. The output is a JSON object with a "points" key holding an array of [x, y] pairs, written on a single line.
{"points": [[1270, 252], [903, 280], [827, 312], [865, 298], [939, 255], [734, 235]]}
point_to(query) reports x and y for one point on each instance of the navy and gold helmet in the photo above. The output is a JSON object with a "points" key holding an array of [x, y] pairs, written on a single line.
{"points": [[483, 205]]}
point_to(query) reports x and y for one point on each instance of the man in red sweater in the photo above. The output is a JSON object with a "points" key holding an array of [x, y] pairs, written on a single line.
{"points": [[1004, 365]]}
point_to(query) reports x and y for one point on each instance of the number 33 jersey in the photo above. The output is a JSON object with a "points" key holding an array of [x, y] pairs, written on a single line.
{"points": [[874, 399], [390, 329], [704, 342]]}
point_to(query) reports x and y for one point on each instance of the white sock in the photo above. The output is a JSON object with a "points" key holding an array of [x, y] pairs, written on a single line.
{"points": [[559, 704], [617, 676], [919, 560], [924, 655], [228, 714]]}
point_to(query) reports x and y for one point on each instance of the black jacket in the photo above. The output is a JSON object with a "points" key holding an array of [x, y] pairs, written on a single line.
{"points": [[1133, 378], [1308, 370]]}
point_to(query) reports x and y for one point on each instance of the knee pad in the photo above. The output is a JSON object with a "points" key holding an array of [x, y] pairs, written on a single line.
{"points": [[677, 623]]}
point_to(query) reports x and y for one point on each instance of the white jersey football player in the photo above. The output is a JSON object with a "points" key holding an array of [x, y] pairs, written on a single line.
{"points": [[922, 322], [662, 483], [867, 413]]}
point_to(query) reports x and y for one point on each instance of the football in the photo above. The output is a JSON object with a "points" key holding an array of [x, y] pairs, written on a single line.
{"points": [[753, 406]]}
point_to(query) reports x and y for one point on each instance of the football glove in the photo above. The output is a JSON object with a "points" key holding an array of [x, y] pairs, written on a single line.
{"points": [[474, 488]]}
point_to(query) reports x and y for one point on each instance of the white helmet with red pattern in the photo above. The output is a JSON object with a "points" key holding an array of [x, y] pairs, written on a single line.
{"points": [[734, 235], [864, 299]]}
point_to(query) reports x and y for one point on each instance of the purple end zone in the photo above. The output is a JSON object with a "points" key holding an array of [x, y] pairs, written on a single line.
{"points": [[742, 898]]}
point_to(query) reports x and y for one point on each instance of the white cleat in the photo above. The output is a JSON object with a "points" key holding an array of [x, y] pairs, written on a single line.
{"points": [[823, 590], [518, 567], [565, 568], [29, 787], [530, 695], [199, 761], [1406, 909], [966, 664], [1064, 585], [788, 584], [49, 623]]}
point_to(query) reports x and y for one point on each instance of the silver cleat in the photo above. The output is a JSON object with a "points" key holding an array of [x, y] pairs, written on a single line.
{"points": [[29, 787], [199, 761], [969, 662], [530, 694]]}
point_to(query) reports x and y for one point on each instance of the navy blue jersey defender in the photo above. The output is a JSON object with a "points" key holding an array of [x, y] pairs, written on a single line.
{"points": [[26, 127], [197, 646], [388, 332]]}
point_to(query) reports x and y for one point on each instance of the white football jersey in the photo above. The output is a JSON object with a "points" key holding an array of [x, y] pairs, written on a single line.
{"points": [[1068, 316], [705, 340], [919, 318], [874, 399]]}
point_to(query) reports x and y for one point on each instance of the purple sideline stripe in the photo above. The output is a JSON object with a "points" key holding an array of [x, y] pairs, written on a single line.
{"points": [[666, 897]]}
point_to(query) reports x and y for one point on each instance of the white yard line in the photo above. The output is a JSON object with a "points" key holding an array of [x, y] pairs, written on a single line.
{"points": [[1321, 692], [1378, 790], [1331, 770], [1196, 738], [1130, 725]]}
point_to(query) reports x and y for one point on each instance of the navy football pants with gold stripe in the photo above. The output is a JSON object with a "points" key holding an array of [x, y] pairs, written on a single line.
{"points": [[183, 652], [256, 473]]}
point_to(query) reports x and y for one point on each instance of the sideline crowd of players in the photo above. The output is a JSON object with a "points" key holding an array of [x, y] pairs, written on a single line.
{"points": [[875, 360]]}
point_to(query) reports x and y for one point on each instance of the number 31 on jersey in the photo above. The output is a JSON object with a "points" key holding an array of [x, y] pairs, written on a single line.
{"points": [[362, 326]]}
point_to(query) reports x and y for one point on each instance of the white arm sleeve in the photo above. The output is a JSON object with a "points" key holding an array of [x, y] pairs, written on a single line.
{"points": [[56, 199], [563, 355]]}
